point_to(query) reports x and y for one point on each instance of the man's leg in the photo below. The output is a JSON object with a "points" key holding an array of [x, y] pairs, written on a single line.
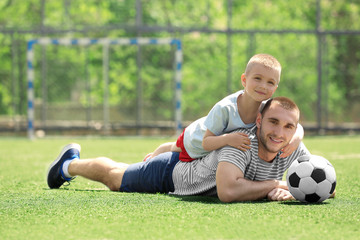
{"points": [[100, 169], [68, 165], [151, 176], [56, 175], [154, 176]]}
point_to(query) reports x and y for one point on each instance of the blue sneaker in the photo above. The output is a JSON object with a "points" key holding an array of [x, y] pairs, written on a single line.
{"points": [[55, 176]]}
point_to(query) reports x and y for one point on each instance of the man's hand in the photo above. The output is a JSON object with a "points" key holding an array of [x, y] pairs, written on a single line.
{"points": [[238, 140], [279, 194], [282, 184], [232, 186]]}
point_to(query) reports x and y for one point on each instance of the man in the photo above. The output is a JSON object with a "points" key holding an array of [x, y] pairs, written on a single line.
{"points": [[229, 173]]}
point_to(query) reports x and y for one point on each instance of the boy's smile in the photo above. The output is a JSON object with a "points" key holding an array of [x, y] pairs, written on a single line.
{"points": [[261, 82]]}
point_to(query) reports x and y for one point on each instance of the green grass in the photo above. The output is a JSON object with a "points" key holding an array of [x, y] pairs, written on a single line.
{"points": [[87, 210]]}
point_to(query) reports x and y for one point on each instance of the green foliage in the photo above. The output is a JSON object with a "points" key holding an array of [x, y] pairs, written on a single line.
{"points": [[278, 15], [87, 210], [74, 75], [5, 78]]}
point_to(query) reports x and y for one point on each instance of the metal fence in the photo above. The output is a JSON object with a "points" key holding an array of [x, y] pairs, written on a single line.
{"points": [[89, 115]]}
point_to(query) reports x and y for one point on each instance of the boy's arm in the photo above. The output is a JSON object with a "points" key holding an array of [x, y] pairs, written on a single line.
{"points": [[232, 186], [237, 140], [294, 142]]}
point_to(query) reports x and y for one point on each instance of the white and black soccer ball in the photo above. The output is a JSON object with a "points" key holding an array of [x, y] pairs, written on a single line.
{"points": [[311, 179]]}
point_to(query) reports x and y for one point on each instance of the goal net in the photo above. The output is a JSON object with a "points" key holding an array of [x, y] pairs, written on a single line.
{"points": [[104, 84]]}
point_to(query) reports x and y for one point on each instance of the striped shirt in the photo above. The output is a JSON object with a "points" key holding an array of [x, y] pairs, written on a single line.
{"points": [[199, 177]]}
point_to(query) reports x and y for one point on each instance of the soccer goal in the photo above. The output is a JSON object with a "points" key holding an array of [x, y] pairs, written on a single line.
{"points": [[105, 42]]}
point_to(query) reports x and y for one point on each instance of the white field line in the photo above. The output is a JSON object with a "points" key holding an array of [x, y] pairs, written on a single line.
{"points": [[337, 156]]}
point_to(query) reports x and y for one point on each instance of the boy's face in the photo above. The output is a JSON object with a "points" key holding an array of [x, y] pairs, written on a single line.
{"points": [[260, 82]]}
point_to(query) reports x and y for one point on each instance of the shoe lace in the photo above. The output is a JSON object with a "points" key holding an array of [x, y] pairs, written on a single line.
{"points": [[67, 183]]}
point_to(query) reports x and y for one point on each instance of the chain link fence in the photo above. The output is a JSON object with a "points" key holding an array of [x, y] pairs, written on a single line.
{"points": [[320, 65]]}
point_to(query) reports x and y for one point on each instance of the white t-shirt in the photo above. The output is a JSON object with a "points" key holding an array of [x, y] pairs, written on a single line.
{"points": [[222, 118]]}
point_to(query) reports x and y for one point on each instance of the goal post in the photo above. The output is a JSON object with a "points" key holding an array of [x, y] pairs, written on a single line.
{"points": [[105, 42]]}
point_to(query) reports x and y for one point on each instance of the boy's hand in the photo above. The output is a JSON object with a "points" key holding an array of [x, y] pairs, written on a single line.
{"points": [[238, 140], [290, 148], [294, 142]]}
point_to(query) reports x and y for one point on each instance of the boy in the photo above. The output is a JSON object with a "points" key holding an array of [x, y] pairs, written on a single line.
{"points": [[238, 110]]}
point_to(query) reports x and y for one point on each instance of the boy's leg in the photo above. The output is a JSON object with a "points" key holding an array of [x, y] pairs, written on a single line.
{"points": [[100, 169], [166, 147], [175, 148]]}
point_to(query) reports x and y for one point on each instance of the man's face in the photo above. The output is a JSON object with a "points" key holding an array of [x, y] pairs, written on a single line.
{"points": [[277, 126]]}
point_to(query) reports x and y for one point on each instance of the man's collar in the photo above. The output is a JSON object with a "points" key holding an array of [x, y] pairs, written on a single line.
{"points": [[253, 133]]}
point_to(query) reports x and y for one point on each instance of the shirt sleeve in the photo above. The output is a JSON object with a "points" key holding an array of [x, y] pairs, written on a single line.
{"points": [[217, 119], [300, 151], [235, 156]]}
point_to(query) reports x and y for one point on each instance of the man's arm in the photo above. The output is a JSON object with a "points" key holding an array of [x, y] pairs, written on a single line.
{"points": [[232, 186]]}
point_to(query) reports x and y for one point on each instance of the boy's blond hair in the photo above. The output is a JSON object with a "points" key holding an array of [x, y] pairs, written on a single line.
{"points": [[265, 60]]}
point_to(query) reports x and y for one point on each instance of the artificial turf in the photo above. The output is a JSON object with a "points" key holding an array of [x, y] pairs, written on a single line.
{"points": [[87, 210]]}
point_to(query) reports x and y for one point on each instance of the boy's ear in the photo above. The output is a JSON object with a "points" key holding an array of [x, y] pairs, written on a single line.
{"points": [[258, 120], [243, 80]]}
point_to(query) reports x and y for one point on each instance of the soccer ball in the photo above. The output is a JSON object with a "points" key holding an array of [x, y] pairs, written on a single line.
{"points": [[311, 179]]}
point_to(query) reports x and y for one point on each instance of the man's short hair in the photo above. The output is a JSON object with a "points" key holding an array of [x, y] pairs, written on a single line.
{"points": [[265, 60], [284, 102]]}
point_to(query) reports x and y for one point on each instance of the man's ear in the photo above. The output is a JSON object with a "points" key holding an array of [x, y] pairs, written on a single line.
{"points": [[258, 120], [243, 80]]}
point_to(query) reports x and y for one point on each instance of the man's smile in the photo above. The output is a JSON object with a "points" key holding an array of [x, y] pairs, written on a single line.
{"points": [[277, 141]]}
